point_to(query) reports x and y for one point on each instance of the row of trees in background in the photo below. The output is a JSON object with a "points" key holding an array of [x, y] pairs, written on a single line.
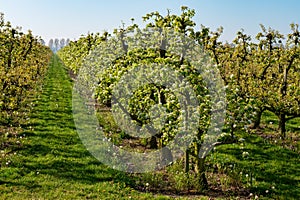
{"points": [[57, 44], [259, 75], [23, 63], [266, 71]]}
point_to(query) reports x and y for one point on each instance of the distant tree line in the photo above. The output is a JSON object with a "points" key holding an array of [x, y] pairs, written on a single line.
{"points": [[57, 44]]}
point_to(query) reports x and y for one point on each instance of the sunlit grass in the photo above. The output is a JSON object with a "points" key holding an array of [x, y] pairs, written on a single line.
{"points": [[268, 170]]}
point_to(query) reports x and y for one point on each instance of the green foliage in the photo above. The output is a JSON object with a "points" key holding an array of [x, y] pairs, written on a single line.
{"points": [[276, 77], [122, 52], [74, 53], [23, 63], [261, 75]]}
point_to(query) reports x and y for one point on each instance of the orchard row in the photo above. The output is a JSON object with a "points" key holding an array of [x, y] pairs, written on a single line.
{"points": [[258, 75], [23, 63]]}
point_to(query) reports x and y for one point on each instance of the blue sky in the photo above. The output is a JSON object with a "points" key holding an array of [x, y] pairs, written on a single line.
{"points": [[72, 18]]}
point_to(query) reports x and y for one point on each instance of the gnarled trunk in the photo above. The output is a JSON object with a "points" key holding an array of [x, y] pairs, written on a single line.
{"points": [[257, 118], [200, 170]]}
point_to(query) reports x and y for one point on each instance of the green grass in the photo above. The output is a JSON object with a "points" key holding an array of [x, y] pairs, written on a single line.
{"points": [[53, 163], [268, 170], [271, 121], [266, 164]]}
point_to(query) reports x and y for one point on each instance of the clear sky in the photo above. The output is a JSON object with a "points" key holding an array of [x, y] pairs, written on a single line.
{"points": [[72, 18]]}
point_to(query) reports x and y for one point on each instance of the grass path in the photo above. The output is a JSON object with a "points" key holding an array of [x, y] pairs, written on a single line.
{"points": [[53, 163]]}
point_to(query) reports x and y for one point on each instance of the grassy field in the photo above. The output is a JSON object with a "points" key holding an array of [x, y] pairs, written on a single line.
{"points": [[268, 170], [48, 160]]}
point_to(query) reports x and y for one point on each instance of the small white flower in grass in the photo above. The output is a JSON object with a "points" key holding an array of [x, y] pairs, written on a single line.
{"points": [[256, 197], [267, 191], [245, 154], [242, 140], [147, 184], [273, 187], [246, 175]]}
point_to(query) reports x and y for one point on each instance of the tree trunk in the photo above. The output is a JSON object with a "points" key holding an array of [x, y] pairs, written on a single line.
{"points": [[187, 163], [153, 143], [200, 170], [258, 118], [282, 122]]}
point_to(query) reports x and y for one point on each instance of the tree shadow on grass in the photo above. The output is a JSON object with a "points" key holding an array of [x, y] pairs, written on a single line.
{"points": [[275, 169]]}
